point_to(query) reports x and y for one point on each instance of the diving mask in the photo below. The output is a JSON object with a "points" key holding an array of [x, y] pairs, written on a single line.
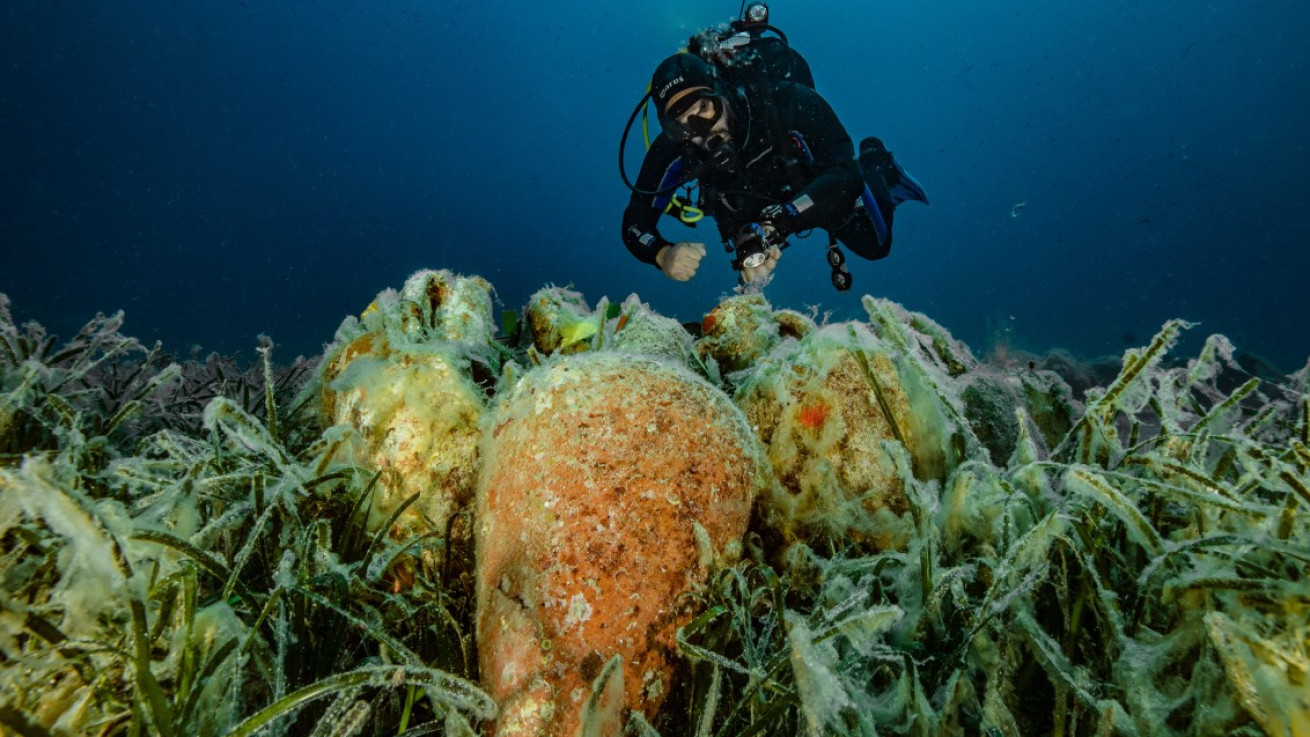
{"points": [[696, 118], [699, 123]]}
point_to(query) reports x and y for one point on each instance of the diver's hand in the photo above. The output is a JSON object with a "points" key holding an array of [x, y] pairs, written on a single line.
{"points": [[680, 261], [758, 273]]}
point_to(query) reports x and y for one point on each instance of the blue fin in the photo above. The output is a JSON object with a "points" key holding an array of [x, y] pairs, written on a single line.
{"points": [[876, 161], [874, 211], [906, 187]]}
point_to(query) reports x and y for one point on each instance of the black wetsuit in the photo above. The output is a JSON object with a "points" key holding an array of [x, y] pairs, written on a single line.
{"points": [[795, 151]]}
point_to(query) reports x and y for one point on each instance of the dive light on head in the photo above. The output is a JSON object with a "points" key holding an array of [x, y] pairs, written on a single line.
{"points": [[756, 14]]}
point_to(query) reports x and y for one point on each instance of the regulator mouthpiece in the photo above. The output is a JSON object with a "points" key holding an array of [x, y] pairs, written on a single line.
{"points": [[722, 154]]}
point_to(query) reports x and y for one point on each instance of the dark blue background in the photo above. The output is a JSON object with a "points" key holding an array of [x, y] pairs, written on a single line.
{"points": [[224, 169]]}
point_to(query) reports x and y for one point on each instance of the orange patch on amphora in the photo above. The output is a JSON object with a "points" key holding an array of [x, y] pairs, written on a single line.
{"points": [[597, 470]]}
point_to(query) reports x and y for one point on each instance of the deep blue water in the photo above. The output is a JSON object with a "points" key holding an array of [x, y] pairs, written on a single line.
{"points": [[225, 169]]}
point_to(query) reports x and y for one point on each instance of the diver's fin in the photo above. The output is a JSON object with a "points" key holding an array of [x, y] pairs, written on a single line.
{"points": [[906, 187], [877, 163], [879, 207]]}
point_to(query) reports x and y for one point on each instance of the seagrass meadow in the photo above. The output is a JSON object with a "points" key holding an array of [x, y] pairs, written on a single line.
{"points": [[866, 530]]}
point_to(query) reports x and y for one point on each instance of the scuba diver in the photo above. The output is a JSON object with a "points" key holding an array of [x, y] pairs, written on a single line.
{"points": [[741, 122]]}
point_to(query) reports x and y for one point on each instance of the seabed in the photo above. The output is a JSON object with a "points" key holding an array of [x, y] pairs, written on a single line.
{"points": [[598, 522]]}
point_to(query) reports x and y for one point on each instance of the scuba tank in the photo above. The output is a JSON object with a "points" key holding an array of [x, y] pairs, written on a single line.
{"points": [[745, 55]]}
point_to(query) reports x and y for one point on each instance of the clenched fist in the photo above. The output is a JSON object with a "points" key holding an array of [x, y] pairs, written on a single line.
{"points": [[680, 261]]}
